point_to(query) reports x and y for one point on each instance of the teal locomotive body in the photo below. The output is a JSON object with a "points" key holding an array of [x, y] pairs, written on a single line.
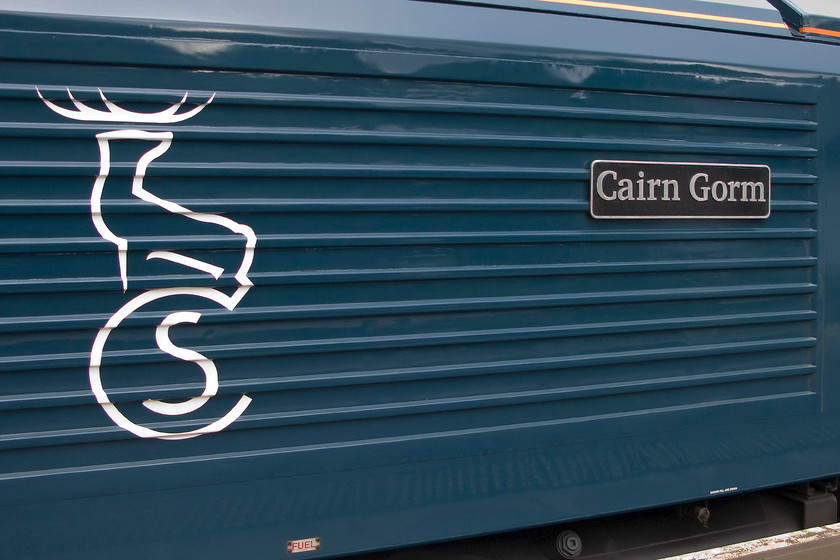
{"points": [[320, 277]]}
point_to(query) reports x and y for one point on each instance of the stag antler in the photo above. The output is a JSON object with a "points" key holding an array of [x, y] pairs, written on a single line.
{"points": [[115, 113]]}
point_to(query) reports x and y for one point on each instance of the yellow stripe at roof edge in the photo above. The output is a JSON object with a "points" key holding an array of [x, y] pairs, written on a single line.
{"points": [[673, 13], [816, 31]]}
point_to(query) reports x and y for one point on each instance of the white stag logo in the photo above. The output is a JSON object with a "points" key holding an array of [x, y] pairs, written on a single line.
{"points": [[114, 113]]}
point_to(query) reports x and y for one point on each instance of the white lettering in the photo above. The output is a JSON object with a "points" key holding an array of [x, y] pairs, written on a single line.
{"points": [[599, 185], [674, 194], [752, 186], [626, 190], [692, 188], [719, 191], [651, 184], [733, 185]]}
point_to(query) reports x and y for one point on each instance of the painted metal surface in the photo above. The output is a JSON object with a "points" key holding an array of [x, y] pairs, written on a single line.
{"points": [[749, 16], [814, 18], [333, 279]]}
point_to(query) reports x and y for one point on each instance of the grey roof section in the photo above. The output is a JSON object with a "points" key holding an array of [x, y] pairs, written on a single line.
{"points": [[828, 8], [745, 16], [745, 3], [330, 15]]}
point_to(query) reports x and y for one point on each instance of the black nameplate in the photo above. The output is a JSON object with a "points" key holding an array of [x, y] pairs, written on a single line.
{"points": [[642, 190]]}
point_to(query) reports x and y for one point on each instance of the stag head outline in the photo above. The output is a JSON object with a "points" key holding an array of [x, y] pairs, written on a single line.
{"points": [[115, 113]]}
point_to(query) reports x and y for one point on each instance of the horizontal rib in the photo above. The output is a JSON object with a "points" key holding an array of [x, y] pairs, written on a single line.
{"points": [[434, 339], [414, 138], [34, 245], [332, 206], [440, 106], [364, 412], [277, 169], [281, 278], [452, 371], [783, 400]]}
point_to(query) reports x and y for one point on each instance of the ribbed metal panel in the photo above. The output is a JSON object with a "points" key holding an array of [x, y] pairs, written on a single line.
{"points": [[425, 264]]}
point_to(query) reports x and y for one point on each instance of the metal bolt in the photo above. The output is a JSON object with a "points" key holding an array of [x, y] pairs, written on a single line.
{"points": [[569, 545]]}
